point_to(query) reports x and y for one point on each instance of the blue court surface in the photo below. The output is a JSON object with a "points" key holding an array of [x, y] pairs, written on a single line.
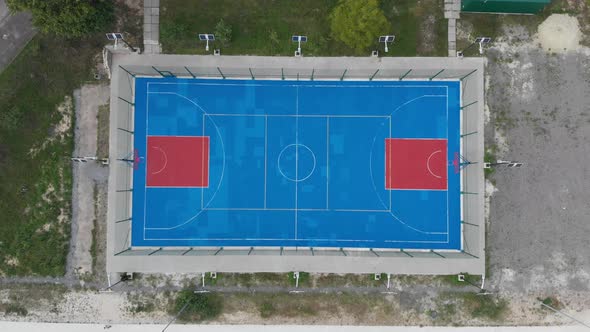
{"points": [[295, 163]]}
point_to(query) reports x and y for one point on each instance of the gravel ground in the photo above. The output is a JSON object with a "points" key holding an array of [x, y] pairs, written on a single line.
{"points": [[86, 177], [539, 234]]}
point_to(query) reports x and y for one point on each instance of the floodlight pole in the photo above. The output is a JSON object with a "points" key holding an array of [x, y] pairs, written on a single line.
{"points": [[207, 44]]}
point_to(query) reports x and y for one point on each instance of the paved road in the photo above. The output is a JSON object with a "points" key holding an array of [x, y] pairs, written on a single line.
{"points": [[15, 32], [51, 327]]}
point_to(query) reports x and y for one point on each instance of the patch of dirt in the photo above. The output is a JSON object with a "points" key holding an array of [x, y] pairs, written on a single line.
{"points": [[559, 33], [132, 4], [11, 261], [427, 35], [50, 190], [61, 129]]}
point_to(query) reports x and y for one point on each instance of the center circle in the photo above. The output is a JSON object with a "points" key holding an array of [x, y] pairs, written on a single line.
{"points": [[296, 162]]}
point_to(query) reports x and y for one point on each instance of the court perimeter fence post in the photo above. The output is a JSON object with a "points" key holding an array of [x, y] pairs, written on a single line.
{"points": [[465, 252], [221, 73], [128, 72], [470, 224], [406, 74], [373, 76], [468, 74], [435, 75], [465, 106], [127, 101], [468, 134], [343, 74], [190, 72]]}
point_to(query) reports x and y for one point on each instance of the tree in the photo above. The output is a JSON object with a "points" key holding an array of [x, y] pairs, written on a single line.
{"points": [[223, 32], [358, 23], [67, 18]]}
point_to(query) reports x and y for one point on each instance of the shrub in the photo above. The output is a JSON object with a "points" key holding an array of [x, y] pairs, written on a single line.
{"points": [[199, 306], [485, 306], [14, 308], [358, 23], [267, 309], [223, 33]]}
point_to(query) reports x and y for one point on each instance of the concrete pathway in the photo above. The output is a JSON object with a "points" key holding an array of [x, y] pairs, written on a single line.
{"points": [[85, 177], [452, 14], [53, 327], [151, 27], [15, 32]]}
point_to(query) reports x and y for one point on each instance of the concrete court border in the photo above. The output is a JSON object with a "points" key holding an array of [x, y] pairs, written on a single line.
{"points": [[121, 257]]}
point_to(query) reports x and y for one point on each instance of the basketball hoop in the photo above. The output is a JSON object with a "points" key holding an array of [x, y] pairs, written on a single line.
{"points": [[136, 159], [457, 163]]}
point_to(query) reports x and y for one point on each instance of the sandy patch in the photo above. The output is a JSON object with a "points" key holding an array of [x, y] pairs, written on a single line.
{"points": [[559, 33], [46, 195], [11, 261], [61, 129]]}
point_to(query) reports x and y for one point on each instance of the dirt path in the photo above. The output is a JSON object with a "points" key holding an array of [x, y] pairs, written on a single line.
{"points": [[86, 177]]}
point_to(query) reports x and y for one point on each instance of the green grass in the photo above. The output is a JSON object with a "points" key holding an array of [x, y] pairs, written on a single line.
{"points": [[267, 309], [93, 245], [15, 308], [485, 306], [489, 157], [359, 280], [40, 78], [195, 307], [44, 74], [102, 148], [264, 27]]}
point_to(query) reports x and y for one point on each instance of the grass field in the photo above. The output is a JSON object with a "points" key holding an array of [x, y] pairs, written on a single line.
{"points": [[35, 144], [264, 27]]}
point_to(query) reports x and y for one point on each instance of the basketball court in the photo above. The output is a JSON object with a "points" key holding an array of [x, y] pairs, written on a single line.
{"points": [[284, 163]]}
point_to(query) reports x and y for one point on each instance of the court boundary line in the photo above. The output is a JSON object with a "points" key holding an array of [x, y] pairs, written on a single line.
{"points": [[327, 117], [296, 155], [296, 116], [291, 239], [186, 81], [327, 162]]}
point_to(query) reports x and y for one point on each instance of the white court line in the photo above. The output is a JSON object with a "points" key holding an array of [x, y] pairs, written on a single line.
{"points": [[419, 138], [265, 156], [147, 108], [165, 160], [289, 239], [430, 171], [390, 203], [327, 162], [296, 154], [344, 116], [289, 209], [447, 162], [222, 168], [339, 86], [177, 187], [203, 168], [302, 115]]}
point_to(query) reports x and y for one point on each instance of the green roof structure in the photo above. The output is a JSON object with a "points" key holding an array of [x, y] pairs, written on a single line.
{"points": [[504, 6]]}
